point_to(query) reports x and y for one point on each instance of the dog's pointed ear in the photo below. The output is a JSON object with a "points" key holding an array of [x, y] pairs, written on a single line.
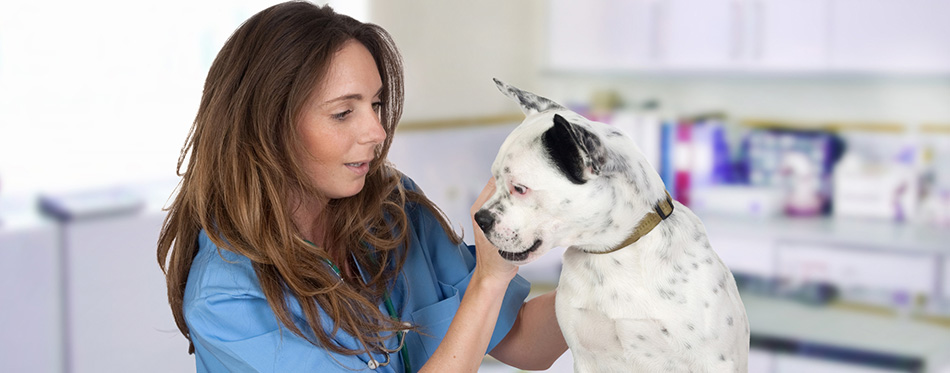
{"points": [[577, 152], [530, 102]]}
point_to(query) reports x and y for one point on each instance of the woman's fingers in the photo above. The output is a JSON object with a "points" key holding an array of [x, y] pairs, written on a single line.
{"points": [[489, 261]]}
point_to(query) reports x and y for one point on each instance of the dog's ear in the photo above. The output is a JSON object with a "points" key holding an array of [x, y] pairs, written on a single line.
{"points": [[577, 152], [530, 102]]}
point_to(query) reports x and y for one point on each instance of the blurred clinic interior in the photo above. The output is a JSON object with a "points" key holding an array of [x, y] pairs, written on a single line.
{"points": [[811, 136]]}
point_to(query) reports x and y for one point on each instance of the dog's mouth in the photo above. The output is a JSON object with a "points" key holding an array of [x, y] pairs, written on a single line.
{"points": [[517, 257]]}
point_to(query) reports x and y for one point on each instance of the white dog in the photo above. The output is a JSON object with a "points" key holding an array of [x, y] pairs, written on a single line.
{"points": [[641, 289]]}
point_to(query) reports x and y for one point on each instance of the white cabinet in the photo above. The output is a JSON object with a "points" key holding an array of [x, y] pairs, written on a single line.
{"points": [[118, 318], [777, 35], [786, 35], [603, 34], [30, 317], [863, 36], [700, 34], [890, 35], [687, 35]]}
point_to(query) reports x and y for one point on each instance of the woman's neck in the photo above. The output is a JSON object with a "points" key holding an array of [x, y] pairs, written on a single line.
{"points": [[312, 224], [307, 216]]}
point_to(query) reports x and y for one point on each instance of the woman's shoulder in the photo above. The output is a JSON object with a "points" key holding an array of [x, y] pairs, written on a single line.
{"points": [[215, 255], [408, 183], [428, 232], [417, 212], [218, 270]]}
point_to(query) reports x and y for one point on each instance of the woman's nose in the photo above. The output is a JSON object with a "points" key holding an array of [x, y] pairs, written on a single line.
{"points": [[374, 133]]}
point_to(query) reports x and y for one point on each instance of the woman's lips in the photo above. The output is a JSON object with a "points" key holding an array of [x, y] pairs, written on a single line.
{"points": [[360, 168]]}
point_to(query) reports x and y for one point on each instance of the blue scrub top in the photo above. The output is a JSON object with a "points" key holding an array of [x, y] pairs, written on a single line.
{"points": [[234, 330]]}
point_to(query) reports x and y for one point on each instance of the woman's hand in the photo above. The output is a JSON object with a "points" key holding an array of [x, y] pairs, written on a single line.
{"points": [[488, 263], [469, 334]]}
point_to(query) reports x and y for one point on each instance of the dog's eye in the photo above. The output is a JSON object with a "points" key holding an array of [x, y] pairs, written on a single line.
{"points": [[520, 189]]}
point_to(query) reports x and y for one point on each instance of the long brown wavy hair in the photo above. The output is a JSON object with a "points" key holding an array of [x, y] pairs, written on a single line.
{"points": [[244, 159]]}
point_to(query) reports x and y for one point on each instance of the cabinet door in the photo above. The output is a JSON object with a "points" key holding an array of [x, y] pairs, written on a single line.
{"points": [[118, 318], [701, 35], [771, 35], [602, 34], [896, 36], [30, 318], [786, 35]]}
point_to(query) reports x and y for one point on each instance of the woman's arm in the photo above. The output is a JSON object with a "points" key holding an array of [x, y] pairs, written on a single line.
{"points": [[464, 345], [535, 340]]}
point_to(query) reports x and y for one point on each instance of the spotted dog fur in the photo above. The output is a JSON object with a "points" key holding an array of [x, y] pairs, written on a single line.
{"points": [[665, 303]]}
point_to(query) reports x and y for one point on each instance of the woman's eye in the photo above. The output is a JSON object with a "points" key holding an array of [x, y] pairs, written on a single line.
{"points": [[342, 116], [377, 106], [520, 189]]}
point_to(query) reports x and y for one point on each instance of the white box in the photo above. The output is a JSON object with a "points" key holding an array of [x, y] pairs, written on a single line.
{"points": [[883, 191]]}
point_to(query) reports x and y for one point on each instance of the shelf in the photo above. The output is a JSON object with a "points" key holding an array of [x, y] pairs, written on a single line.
{"points": [[837, 334], [864, 234]]}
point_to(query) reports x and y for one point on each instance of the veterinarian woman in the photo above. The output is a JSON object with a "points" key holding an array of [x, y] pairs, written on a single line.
{"points": [[292, 245]]}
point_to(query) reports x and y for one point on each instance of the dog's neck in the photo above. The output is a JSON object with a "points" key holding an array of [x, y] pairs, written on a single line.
{"points": [[661, 211]]}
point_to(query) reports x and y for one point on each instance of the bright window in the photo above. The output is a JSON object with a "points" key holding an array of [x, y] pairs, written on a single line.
{"points": [[99, 93]]}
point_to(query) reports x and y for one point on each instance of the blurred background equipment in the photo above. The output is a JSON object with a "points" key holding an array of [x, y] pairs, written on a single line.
{"points": [[812, 137]]}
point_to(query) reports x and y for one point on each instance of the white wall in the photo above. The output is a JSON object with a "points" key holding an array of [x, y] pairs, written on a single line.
{"points": [[102, 92], [452, 50]]}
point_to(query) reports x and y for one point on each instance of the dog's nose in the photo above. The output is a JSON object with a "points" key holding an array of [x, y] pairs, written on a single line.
{"points": [[485, 220]]}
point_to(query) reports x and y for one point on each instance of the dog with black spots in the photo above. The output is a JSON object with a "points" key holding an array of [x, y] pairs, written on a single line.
{"points": [[641, 289]]}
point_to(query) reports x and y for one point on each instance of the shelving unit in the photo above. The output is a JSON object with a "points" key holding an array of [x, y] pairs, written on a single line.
{"points": [[907, 260], [788, 328]]}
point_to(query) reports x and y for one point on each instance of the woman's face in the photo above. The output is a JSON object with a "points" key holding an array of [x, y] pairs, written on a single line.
{"points": [[340, 124]]}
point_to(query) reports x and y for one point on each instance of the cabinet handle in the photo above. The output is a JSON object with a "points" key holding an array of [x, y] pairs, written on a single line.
{"points": [[758, 33], [658, 19], [736, 30]]}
